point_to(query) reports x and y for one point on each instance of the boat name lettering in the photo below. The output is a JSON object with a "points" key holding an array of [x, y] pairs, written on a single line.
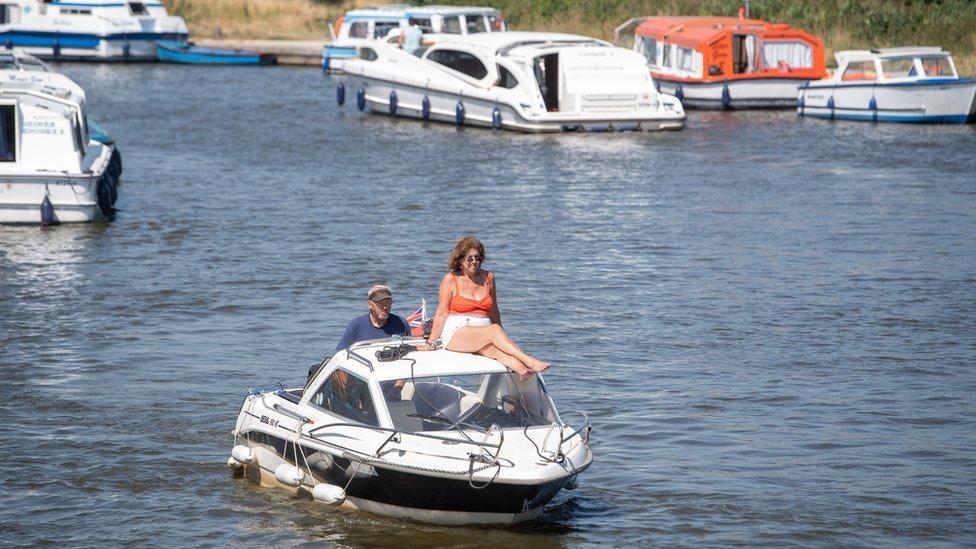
{"points": [[42, 127], [269, 421]]}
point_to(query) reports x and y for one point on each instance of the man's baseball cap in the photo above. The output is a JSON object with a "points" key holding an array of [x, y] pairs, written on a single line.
{"points": [[379, 292]]}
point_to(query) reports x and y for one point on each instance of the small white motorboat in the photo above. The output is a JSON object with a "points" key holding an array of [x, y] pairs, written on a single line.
{"points": [[523, 81], [378, 22], [91, 29], [52, 167], [435, 436], [892, 85]]}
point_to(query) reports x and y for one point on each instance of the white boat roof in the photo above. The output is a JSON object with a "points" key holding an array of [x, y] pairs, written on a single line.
{"points": [[890, 53], [400, 11], [417, 364], [17, 58], [496, 41]]}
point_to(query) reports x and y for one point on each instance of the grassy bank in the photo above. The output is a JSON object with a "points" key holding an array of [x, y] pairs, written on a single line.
{"points": [[842, 24]]}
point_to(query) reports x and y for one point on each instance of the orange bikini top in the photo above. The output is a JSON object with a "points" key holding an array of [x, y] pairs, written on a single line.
{"points": [[460, 305]]}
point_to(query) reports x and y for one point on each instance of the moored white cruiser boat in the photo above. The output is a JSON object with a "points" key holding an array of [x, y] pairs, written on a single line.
{"points": [[361, 26], [524, 81], [89, 29], [914, 84], [437, 436], [51, 169]]}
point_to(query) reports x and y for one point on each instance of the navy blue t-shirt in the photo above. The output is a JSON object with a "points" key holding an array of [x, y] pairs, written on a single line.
{"points": [[361, 329]]}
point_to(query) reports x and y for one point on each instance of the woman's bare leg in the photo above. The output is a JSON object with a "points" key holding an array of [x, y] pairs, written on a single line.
{"points": [[471, 339], [508, 360]]}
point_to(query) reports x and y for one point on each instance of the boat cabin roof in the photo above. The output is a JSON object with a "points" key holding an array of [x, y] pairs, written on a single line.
{"points": [[496, 43], [890, 53], [401, 11], [693, 31], [19, 59], [416, 364]]}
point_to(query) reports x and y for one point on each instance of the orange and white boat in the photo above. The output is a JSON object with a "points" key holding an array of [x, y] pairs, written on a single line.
{"points": [[729, 62]]}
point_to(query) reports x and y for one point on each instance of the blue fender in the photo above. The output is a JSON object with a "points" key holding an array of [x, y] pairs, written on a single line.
{"points": [[361, 98], [830, 105], [393, 102], [726, 98], [873, 106], [104, 196], [800, 103], [679, 93], [459, 113], [425, 108], [496, 118], [47, 212], [341, 94]]}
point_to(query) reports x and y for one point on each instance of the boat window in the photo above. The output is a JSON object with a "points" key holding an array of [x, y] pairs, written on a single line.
{"points": [[505, 78], [8, 133], [423, 23], [367, 54], [666, 60], [787, 55], [347, 396], [686, 58], [496, 23], [358, 29], [897, 68], [451, 25], [3, 14], [461, 61], [475, 24], [649, 49], [938, 67], [437, 403], [138, 8], [382, 28], [860, 70]]}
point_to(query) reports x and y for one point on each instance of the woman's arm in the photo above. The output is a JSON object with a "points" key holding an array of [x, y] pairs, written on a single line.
{"points": [[494, 315], [443, 302]]}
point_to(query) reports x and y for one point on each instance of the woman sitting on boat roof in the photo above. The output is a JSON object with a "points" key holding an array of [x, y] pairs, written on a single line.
{"points": [[467, 318]]}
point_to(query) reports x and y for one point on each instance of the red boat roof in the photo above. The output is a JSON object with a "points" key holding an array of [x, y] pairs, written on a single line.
{"points": [[693, 30]]}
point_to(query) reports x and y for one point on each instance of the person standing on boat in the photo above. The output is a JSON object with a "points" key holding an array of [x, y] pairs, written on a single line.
{"points": [[377, 323], [410, 38], [467, 318]]}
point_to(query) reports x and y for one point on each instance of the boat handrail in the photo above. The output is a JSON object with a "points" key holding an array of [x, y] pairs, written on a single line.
{"points": [[360, 358], [313, 434], [584, 426], [40, 95], [620, 28], [552, 42]]}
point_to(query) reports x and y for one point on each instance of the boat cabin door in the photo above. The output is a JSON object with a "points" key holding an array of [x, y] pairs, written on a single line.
{"points": [[546, 68], [743, 53]]}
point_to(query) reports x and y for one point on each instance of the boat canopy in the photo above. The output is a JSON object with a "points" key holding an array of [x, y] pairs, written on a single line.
{"points": [[723, 48]]}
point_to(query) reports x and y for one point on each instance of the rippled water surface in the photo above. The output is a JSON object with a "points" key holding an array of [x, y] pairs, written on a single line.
{"points": [[770, 321]]}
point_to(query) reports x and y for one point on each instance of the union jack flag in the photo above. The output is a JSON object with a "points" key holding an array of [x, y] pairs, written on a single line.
{"points": [[417, 319]]}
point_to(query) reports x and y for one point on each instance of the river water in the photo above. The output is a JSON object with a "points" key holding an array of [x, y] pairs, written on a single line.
{"points": [[771, 321]]}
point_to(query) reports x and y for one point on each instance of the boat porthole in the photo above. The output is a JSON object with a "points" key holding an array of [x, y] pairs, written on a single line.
{"points": [[425, 108], [726, 98], [341, 94], [393, 102], [496, 119], [459, 113], [361, 98]]}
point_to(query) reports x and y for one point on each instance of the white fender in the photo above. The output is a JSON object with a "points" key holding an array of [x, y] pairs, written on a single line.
{"points": [[328, 493], [234, 464], [242, 454], [289, 475]]}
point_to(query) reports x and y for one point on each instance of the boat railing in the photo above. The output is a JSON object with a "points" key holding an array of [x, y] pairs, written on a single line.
{"points": [[314, 433]]}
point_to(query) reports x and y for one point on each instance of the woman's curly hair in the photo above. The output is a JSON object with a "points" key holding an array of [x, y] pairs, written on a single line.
{"points": [[461, 249]]}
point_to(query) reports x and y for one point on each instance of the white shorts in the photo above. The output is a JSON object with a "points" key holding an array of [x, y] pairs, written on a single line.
{"points": [[454, 322]]}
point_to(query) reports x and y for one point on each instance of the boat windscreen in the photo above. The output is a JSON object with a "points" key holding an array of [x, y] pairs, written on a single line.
{"points": [[438, 403]]}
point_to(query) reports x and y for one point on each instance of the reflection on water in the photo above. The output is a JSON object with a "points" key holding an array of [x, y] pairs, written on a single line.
{"points": [[768, 319]]}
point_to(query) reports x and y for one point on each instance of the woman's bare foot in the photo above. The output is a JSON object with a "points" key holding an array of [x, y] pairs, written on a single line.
{"points": [[538, 366]]}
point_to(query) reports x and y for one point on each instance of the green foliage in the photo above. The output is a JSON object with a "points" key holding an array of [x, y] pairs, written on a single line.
{"points": [[842, 24]]}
